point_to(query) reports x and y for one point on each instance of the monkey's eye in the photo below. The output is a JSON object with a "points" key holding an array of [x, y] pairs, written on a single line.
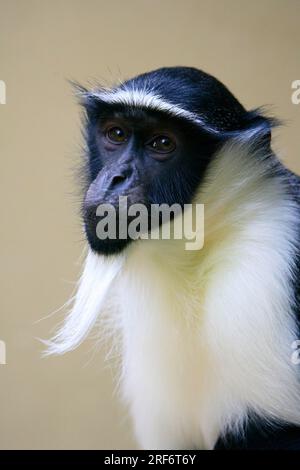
{"points": [[116, 135], [162, 144]]}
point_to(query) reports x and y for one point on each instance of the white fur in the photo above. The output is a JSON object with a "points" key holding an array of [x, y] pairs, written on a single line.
{"points": [[146, 99], [206, 335], [93, 287]]}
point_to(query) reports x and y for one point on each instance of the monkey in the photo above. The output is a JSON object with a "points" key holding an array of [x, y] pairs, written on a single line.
{"points": [[204, 336]]}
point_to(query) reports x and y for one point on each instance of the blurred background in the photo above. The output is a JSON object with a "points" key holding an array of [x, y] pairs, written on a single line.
{"points": [[252, 46]]}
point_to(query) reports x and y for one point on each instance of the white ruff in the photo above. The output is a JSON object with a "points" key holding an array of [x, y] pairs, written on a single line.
{"points": [[206, 335]]}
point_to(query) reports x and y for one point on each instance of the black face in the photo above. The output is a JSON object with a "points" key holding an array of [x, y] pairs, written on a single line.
{"points": [[150, 157], [144, 155]]}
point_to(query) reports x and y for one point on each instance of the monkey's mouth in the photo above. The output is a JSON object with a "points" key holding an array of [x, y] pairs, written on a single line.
{"points": [[111, 226], [106, 233]]}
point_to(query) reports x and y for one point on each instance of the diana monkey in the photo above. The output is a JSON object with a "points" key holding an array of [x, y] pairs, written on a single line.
{"points": [[205, 336]]}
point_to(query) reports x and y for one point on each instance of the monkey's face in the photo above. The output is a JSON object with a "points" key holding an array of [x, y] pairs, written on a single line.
{"points": [[145, 157], [150, 140]]}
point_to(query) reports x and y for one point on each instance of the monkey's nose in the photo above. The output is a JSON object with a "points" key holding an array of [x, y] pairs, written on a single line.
{"points": [[117, 180], [110, 184], [120, 179]]}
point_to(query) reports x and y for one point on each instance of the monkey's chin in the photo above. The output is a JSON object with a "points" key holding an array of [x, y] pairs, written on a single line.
{"points": [[108, 247]]}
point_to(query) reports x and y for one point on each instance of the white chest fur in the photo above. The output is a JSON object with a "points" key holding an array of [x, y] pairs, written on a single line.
{"points": [[205, 336], [200, 349]]}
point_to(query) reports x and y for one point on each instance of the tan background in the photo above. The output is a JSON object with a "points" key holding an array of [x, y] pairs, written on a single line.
{"points": [[252, 46]]}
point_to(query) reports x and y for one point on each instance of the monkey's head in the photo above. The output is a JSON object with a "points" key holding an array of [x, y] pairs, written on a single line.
{"points": [[152, 139]]}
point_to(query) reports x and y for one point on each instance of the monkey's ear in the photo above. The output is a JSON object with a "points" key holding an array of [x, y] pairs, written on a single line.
{"points": [[260, 125], [256, 130]]}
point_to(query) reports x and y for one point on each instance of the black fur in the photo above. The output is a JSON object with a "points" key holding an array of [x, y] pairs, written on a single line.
{"points": [[259, 435]]}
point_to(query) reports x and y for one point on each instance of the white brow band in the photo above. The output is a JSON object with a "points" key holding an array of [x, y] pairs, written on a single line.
{"points": [[146, 99]]}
